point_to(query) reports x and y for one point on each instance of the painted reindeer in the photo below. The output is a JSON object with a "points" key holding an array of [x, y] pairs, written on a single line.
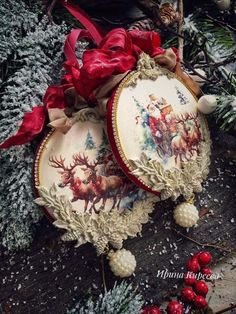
{"points": [[79, 189], [188, 137], [104, 187], [179, 143], [195, 135]]}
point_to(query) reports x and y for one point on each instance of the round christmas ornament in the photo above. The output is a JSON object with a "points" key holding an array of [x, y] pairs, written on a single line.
{"points": [[157, 135], [207, 272], [83, 190]]}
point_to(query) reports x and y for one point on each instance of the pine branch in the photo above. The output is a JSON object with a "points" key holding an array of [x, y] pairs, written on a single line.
{"points": [[121, 299], [225, 112], [221, 23], [18, 212], [38, 55], [228, 60], [13, 29], [31, 53], [218, 47]]}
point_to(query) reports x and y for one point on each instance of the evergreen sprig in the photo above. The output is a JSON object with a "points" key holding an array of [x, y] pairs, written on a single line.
{"points": [[216, 42], [12, 29], [31, 58], [226, 112], [38, 55], [122, 299], [18, 213]]}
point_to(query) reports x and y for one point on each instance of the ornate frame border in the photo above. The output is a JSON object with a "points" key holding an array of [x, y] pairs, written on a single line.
{"points": [[106, 227], [168, 183]]}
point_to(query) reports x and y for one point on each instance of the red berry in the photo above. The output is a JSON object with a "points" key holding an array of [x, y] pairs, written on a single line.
{"points": [[152, 309], [193, 265], [206, 271], [200, 302], [196, 254], [187, 294], [174, 307], [204, 258], [189, 279], [201, 287]]}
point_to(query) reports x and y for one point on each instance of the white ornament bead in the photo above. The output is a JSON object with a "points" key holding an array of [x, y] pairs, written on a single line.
{"points": [[122, 263], [186, 215], [223, 4], [207, 104], [199, 79]]}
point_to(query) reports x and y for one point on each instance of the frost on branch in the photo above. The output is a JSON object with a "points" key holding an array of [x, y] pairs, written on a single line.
{"points": [[31, 60], [38, 56], [18, 211], [121, 299]]}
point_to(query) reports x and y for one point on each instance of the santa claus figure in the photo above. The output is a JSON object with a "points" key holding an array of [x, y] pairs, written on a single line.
{"points": [[159, 121]]}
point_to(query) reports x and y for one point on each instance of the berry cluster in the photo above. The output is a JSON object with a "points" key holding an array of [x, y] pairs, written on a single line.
{"points": [[195, 291], [198, 289]]}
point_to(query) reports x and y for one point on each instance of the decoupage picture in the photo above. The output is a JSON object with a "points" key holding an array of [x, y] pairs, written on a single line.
{"points": [[164, 122], [168, 134], [83, 168]]}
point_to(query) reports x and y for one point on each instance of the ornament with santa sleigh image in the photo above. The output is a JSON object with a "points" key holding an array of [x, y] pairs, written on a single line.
{"points": [[171, 134], [158, 136]]}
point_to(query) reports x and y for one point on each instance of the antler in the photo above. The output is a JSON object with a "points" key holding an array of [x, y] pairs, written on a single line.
{"points": [[78, 160], [180, 118], [192, 115], [185, 116], [57, 163], [82, 160]]}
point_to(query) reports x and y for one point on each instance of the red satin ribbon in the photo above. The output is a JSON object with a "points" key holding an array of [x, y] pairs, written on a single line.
{"points": [[117, 53], [71, 40], [84, 19], [32, 124]]}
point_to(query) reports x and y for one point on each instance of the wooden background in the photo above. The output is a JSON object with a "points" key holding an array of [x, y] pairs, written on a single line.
{"points": [[50, 275]]}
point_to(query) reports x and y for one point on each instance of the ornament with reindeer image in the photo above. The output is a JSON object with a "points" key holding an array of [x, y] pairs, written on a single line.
{"points": [[82, 188], [85, 170]]}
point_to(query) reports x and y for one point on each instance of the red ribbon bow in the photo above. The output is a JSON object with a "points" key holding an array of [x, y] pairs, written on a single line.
{"points": [[117, 53]]}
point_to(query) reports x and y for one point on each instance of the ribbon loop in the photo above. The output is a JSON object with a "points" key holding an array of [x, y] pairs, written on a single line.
{"points": [[71, 40], [82, 17]]}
